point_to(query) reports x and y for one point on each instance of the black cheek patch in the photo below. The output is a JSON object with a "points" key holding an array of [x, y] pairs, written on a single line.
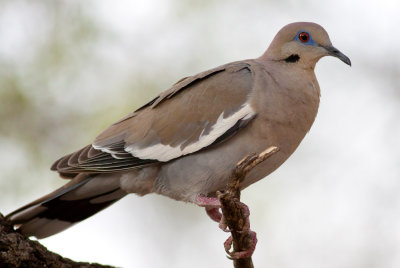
{"points": [[292, 58]]}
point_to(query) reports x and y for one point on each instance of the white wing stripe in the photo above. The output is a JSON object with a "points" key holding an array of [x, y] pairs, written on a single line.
{"points": [[165, 152]]}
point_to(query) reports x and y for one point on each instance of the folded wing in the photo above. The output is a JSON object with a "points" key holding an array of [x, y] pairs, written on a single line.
{"points": [[197, 112]]}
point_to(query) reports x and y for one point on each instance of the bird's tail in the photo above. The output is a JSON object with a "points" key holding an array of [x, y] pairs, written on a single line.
{"points": [[77, 200]]}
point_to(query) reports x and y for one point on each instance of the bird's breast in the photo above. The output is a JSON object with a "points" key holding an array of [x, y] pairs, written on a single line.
{"points": [[286, 106], [286, 112]]}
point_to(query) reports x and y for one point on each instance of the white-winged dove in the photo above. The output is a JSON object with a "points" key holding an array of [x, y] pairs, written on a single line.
{"points": [[185, 142]]}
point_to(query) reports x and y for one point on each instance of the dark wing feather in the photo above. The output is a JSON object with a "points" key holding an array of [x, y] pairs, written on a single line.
{"points": [[101, 162]]}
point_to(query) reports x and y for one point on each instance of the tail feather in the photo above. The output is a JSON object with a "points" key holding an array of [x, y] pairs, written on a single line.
{"points": [[79, 199]]}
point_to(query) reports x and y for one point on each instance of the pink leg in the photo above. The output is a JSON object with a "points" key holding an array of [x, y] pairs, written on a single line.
{"points": [[204, 201], [214, 214], [212, 205], [241, 254]]}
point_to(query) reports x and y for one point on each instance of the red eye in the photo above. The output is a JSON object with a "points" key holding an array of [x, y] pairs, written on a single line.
{"points": [[304, 37]]}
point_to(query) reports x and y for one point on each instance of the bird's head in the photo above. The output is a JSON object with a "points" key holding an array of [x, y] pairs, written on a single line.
{"points": [[303, 43]]}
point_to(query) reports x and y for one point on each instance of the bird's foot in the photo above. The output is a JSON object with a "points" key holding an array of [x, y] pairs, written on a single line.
{"points": [[248, 236], [214, 214], [251, 241], [212, 206]]}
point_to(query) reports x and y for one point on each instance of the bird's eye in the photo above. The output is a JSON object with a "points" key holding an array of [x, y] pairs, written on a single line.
{"points": [[304, 37]]}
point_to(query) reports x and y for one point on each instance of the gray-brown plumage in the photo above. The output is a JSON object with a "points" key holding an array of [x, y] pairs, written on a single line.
{"points": [[184, 143]]}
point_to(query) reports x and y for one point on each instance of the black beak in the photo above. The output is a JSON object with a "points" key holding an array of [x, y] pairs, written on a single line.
{"points": [[336, 53]]}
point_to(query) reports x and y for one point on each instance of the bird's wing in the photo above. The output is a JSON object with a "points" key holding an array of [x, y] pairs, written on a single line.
{"points": [[197, 112]]}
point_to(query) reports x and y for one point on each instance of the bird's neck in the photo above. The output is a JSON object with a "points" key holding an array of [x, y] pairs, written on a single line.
{"points": [[289, 60]]}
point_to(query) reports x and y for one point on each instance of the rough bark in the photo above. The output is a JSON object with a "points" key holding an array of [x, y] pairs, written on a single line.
{"points": [[17, 250], [235, 214]]}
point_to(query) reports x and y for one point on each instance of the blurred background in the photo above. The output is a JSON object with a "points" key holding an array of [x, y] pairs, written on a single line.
{"points": [[68, 69]]}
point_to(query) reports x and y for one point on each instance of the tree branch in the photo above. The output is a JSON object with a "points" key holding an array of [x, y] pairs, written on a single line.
{"points": [[17, 250], [235, 214]]}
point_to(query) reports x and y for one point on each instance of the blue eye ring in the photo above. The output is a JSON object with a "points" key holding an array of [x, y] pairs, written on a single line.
{"points": [[305, 38]]}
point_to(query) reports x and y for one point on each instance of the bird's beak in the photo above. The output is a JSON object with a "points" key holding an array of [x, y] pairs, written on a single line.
{"points": [[336, 53]]}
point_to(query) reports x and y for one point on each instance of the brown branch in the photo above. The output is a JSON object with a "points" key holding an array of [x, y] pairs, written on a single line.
{"points": [[17, 250], [235, 214]]}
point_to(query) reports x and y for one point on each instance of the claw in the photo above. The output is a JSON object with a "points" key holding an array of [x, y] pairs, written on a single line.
{"points": [[228, 245], [252, 242]]}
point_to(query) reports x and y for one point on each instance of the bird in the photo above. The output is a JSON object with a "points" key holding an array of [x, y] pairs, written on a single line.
{"points": [[185, 142]]}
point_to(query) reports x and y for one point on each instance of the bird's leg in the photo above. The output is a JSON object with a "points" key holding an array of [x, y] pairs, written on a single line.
{"points": [[212, 206], [243, 233], [214, 214], [235, 214], [204, 201], [252, 242]]}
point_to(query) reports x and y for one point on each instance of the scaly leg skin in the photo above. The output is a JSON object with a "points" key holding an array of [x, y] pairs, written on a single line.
{"points": [[212, 206], [204, 201], [214, 214]]}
